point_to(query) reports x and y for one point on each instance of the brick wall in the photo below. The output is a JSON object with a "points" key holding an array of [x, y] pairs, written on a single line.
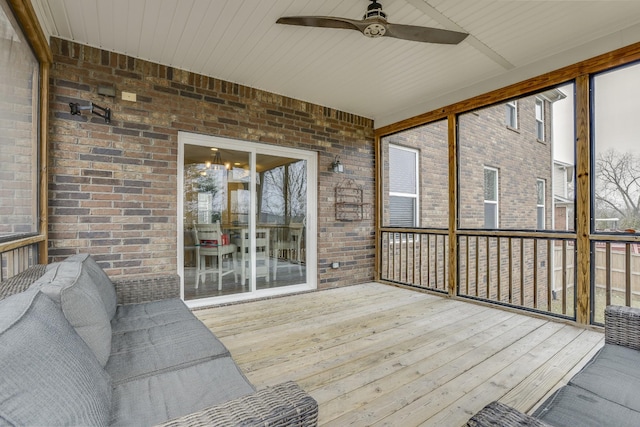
{"points": [[485, 140], [431, 140], [113, 187]]}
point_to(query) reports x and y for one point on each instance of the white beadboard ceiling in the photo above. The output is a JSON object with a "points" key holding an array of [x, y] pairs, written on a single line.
{"points": [[384, 79]]}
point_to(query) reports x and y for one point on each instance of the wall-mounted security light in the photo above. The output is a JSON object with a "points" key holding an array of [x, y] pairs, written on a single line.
{"points": [[103, 112]]}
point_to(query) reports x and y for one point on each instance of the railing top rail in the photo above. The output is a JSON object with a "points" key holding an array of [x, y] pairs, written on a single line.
{"points": [[443, 231], [16, 244], [615, 238], [549, 235], [554, 235]]}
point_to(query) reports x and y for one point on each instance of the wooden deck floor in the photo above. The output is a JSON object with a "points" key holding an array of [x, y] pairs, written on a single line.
{"points": [[375, 354]]}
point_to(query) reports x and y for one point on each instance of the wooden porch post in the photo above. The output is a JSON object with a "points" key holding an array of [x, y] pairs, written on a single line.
{"points": [[453, 205], [583, 201]]}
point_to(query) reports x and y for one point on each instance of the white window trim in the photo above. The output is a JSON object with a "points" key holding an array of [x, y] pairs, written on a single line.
{"points": [[415, 196], [514, 105], [543, 205], [497, 200], [253, 148], [540, 120]]}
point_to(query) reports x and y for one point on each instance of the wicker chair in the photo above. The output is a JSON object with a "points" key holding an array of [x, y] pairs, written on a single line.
{"points": [[596, 404]]}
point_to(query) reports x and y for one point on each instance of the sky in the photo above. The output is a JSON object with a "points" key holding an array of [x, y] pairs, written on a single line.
{"points": [[617, 114], [617, 109]]}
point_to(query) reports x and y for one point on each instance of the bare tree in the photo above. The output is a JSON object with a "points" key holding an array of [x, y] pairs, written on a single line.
{"points": [[618, 187], [285, 191]]}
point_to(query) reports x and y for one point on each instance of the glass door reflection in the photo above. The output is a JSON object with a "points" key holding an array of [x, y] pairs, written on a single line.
{"points": [[244, 221], [281, 196], [216, 208]]}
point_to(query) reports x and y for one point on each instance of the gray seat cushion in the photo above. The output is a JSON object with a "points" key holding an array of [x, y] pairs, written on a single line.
{"points": [[158, 336], [151, 400], [104, 285], [132, 317], [573, 406], [613, 374], [69, 285], [49, 375]]}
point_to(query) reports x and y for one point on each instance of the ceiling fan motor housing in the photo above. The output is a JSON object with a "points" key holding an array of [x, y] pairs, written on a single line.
{"points": [[376, 28], [374, 10]]}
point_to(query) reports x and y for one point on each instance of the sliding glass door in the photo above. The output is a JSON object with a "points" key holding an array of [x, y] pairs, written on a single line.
{"points": [[249, 221]]}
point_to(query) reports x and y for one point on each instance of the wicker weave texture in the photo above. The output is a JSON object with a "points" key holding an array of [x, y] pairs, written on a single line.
{"points": [[497, 414], [146, 289], [21, 281], [622, 326], [283, 405]]}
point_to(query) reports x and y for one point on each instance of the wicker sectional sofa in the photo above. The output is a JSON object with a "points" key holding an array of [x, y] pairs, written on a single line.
{"points": [[604, 393], [79, 349]]}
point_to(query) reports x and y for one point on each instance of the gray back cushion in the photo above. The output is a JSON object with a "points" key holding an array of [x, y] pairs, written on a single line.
{"points": [[49, 375], [71, 287], [103, 283]]}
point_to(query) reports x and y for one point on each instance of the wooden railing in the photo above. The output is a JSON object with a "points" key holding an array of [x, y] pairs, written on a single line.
{"points": [[525, 270], [616, 276], [529, 270], [17, 256], [415, 257]]}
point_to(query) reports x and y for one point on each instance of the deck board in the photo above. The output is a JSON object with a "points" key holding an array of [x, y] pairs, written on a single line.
{"points": [[375, 354]]}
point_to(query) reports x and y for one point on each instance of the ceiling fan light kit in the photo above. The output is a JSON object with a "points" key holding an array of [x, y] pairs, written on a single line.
{"points": [[374, 24]]}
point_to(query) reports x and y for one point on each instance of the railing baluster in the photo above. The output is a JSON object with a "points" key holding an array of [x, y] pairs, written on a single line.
{"points": [[445, 264], [549, 272], [607, 272], [522, 271], [420, 261], [467, 266], [488, 268], [477, 266], [535, 273], [498, 268], [510, 248], [627, 272], [564, 277]]}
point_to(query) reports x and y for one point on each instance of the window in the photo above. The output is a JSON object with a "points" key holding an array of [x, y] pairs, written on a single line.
{"points": [[540, 119], [19, 118], [403, 186], [490, 198], [512, 114], [540, 184]]}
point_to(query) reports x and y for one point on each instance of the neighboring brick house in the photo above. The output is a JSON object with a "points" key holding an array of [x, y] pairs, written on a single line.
{"points": [[563, 193], [505, 181], [503, 146]]}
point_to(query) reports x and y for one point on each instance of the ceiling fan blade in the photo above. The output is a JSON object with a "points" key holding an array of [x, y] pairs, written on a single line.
{"points": [[424, 34], [321, 21]]}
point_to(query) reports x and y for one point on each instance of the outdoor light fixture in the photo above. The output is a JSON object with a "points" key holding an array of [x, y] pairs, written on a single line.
{"points": [[105, 113], [336, 166]]}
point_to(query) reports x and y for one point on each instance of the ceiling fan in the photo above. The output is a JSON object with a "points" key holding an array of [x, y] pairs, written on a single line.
{"points": [[374, 24]]}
